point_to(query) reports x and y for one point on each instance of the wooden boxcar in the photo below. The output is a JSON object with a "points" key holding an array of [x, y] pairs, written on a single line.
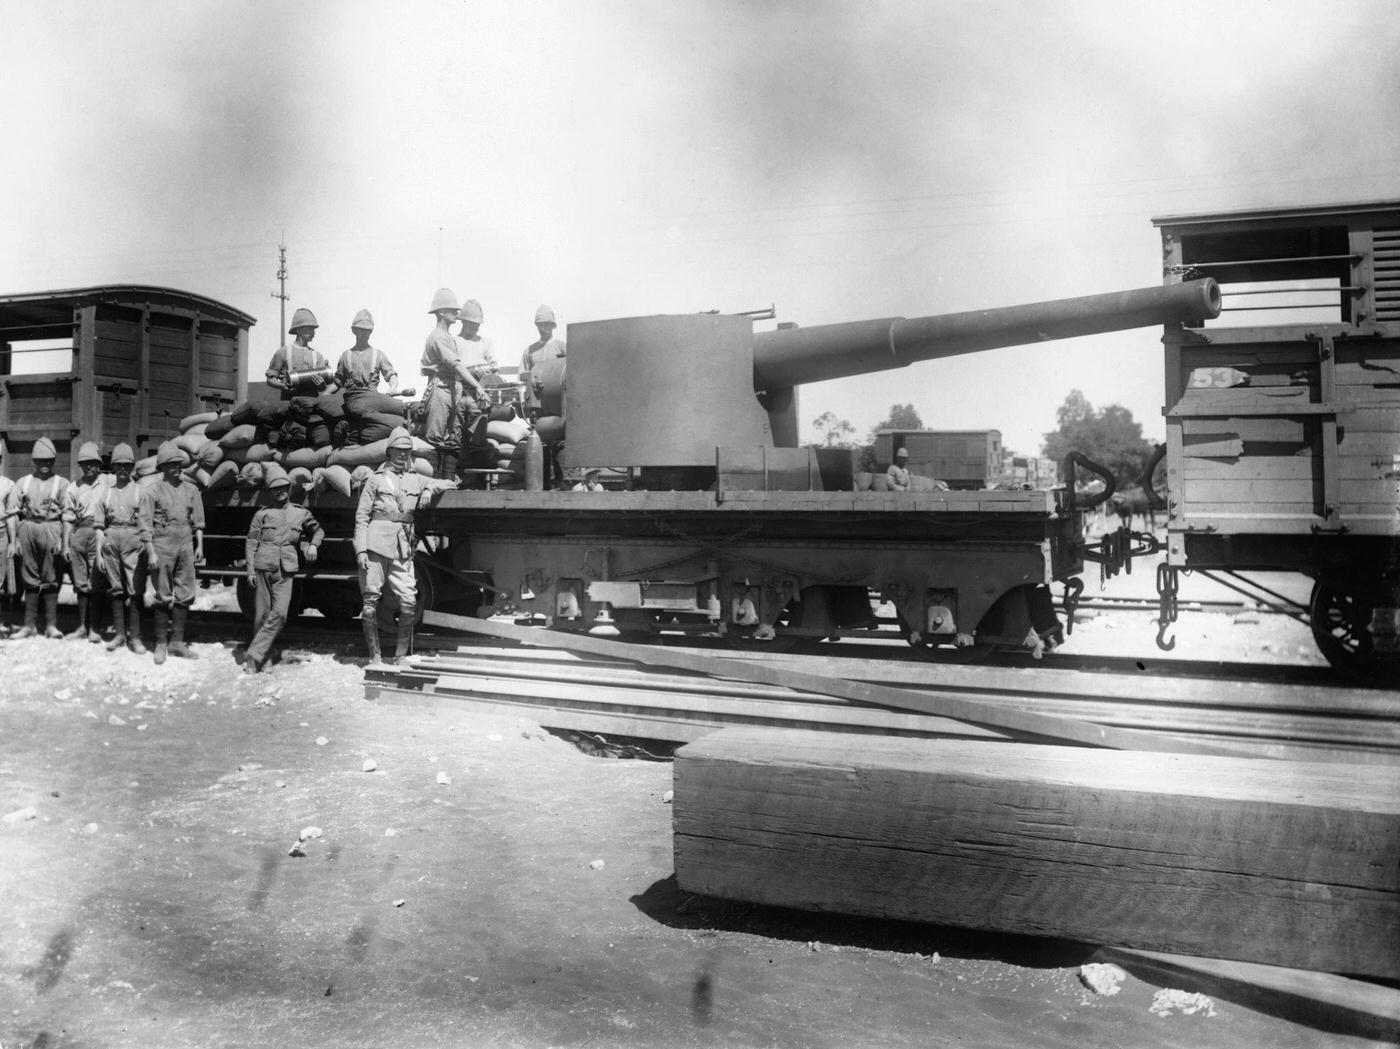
{"points": [[142, 358], [962, 459], [1283, 416]]}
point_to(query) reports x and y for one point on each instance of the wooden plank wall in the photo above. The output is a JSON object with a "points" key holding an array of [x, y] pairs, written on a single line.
{"points": [[1285, 863]]}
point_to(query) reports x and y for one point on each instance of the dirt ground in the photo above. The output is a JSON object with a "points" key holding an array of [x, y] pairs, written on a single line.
{"points": [[469, 881]]}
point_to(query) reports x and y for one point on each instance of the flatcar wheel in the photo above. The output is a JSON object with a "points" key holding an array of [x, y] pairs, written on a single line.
{"points": [[1339, 626]]}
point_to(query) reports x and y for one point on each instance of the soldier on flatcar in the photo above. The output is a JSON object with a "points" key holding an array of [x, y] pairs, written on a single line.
{"points": [[546, 347], [176, 513], [271, 556], [123, 537], [7, 546], [298, 369], [362, 367], [37, 502], [451, 386], [80, 529], [898, 473]]}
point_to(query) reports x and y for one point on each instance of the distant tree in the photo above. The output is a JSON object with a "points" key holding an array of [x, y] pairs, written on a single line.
{"points": [[900, 417], [1111, 437], [834, 430]]}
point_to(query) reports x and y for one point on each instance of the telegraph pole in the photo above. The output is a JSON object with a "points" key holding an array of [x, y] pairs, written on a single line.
{"points": [[282, 285]]}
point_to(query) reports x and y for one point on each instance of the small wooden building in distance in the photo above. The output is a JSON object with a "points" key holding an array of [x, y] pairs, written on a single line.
{"points": [[142, 359]]}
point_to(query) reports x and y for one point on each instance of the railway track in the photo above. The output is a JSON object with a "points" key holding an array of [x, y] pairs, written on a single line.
{"points": [[618, 697]]}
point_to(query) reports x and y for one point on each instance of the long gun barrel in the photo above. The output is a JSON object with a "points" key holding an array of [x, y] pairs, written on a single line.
{"points": [[793, 356]]}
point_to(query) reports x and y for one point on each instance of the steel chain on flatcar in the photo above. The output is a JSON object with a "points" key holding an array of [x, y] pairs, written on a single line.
{"points": [[1167, 608], [1074, 587]]}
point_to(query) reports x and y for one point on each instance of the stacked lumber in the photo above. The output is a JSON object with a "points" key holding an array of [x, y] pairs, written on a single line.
{"points": [[1285, 863]]}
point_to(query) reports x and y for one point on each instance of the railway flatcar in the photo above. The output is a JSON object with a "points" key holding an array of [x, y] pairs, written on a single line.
{"points": [[1283, 417]]}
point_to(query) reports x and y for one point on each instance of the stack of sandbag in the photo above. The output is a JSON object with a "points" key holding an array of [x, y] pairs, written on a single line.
{"points": [[867, 482], [372, 416]]}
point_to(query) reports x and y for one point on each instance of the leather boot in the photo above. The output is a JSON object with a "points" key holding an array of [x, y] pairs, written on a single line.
{"points": [[118, 638], [404, 640], [162, 634], [370, 622], [31, 615], [51, 615], [95, 607], [80, 633], [177, 634], [133, 626]]}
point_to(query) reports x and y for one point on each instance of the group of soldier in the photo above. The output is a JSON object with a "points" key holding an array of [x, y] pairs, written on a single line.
{"points": [[113, 533]]}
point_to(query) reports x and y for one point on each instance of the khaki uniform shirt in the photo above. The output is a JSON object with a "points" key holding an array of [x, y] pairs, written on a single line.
{"points": [[362, 370], [384, 514], [34, 500], [274, 534], [84, 501], [121, 506], [173, 509]]}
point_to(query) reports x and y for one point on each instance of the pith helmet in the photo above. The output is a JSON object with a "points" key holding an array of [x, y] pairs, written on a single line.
{"points": [[399, 438], [544, 315], [302, 318], [275, 477], [444, 299], [169, 452], [901, 453], [88, 453], [471, 311], [363, 320], [43, 449], [122, 453]]}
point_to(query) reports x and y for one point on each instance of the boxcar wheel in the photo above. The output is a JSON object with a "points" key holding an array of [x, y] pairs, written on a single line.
{"points": [[1340, 626]]}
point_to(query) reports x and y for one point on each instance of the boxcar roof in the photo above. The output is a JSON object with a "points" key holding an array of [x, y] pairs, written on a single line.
{"points": [[1302, 211], [39, 309]]}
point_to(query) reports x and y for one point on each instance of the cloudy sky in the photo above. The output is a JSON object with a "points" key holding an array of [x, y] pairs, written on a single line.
{"points": [[839, 160]]}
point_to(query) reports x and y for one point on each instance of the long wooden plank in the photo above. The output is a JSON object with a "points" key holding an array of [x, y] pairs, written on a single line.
{"points": [[1289, 864], [957, 708], [1336, 1003]]}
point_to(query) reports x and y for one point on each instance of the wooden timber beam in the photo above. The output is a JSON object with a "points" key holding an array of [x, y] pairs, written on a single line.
{"points": [[1285, 863], [1013, 724]]}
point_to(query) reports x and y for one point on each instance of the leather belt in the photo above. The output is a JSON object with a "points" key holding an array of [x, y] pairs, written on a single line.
{"points": [[399, 518]]}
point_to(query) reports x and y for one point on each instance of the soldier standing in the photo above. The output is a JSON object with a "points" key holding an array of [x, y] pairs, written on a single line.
{"points": [[271, 555], [123, 537], [299, 359], [177, 545], [7, 546], [37, 502], [80, 531], [545, 348], [384, 541], [450, 383]]}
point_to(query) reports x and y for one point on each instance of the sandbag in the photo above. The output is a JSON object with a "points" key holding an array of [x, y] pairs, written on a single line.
{"points": [[359, 454], [334, 478], [300, 476], [860, 481], [423, 467], [505, 451], [879, 483], [301, 408], [201, 477], [241, 436], [360, 404], [318, 433], [550, 428], [250, 476], [225, 475], [360, 475], [218, 427], [308, 458], [331, 406], [198, 419], [144, 467], [148, 480], [292, 435], [234, 455], [197, 430], [504, 464], [260, 453], [512, 432], [371, 429], [190, 445], [209, 455]]}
